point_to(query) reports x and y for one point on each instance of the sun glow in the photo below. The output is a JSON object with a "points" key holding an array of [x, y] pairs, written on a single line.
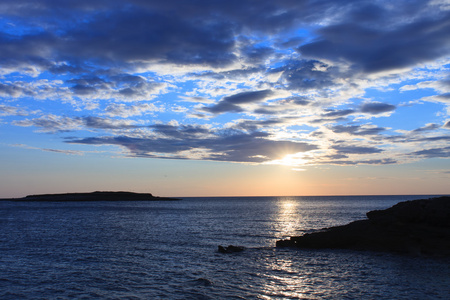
{"points": [[292, 160]]}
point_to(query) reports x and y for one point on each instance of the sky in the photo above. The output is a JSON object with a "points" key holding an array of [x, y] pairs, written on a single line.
{"points": [[225, 98]]}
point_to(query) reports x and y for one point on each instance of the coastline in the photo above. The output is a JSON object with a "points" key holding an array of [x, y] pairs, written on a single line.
{"points": [[410, 227]]}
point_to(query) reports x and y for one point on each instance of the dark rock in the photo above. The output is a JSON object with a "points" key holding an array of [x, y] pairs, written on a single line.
{"points": [[230, 249], [414, 227], [204, 282]]}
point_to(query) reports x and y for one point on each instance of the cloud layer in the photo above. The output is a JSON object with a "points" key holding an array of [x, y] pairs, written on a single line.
{"points": [[329, 81]]}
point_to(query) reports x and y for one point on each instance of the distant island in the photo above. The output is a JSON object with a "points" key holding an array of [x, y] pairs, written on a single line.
{"points": [[411, 227], [94, 196]]}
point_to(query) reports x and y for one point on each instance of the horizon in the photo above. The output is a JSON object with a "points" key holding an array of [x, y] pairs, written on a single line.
{"points": [[233, 196], [220, 99]]}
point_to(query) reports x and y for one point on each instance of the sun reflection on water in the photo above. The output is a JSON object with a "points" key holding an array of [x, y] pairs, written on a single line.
{"points": [[288, 217], [282, 279]]}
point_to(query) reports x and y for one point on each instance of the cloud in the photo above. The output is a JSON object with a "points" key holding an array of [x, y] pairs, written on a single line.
{"points": [[357, 130], [339, 113], [12, 90], [126, 111], [295, 72], [230, 103], [256, 55], [385, 161], [433, 153], [102, 123], [428, 127], [125, 87], [375, 108], [12, 111], [182, 141], [304, 75], [395, 45], [51, 123], [356, 149], [69, 152]]}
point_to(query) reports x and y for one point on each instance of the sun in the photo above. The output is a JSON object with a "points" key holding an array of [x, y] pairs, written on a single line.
{"points": [[292, 160]]}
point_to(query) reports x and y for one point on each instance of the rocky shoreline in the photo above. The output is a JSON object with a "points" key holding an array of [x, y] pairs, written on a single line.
{"points": [[94, 196], [411, 227]]}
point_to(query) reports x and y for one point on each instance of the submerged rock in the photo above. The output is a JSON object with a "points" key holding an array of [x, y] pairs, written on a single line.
{"points": [[410, 227], [230, 249], [204, 282]]}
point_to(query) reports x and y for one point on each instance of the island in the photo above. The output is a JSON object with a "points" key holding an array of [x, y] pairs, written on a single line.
{"points": [[94, 196], [418, 227]]}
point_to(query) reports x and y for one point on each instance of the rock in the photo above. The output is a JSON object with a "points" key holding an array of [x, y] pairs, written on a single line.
{"points": [[230, 249], [411, 227], [204, 282]]}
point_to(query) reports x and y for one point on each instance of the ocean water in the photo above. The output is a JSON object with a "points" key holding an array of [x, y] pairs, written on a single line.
{"points": [[168, 250]]}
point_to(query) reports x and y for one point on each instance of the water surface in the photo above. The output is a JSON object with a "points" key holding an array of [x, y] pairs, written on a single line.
{"points": [[168, 250]]}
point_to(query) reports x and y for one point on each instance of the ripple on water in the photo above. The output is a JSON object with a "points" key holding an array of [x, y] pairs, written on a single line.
{"points": [[169, 251]]}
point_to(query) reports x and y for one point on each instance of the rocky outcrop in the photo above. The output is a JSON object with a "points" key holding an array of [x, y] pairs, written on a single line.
{"points": [[412, 227], [95, 196], [230, 249]]}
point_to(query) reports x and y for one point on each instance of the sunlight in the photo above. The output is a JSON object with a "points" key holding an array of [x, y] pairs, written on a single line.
{"points": [[292, 160], [287, 217]]}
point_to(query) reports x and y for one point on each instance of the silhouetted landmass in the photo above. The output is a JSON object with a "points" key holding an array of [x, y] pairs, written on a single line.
{"points": [[95, 196], [410, 227]]}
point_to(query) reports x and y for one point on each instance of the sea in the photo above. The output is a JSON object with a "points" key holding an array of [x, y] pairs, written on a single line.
{"points": [[168, 250]]}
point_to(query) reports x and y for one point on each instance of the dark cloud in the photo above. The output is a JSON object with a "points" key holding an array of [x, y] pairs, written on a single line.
{"points": [[248, 97], [222, 146], [120, 32], [103, 123], [118, 37], [180, 132], [428, 127], [443, 97], [408, 138], [114, 85], [229, 104], [255, 125], [371, 48], [367, 13], [265, 111], [14, 90], [307, 74], [299, 100], [433, 153], [339, 113], [257, 55], [386, 161], [223, 107], [71, 36], [376, 108], [355, 149], [357, 130], [434, 138]]}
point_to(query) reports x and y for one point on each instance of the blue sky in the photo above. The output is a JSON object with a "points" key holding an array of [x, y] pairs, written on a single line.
{"points": [[231, 97]]}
